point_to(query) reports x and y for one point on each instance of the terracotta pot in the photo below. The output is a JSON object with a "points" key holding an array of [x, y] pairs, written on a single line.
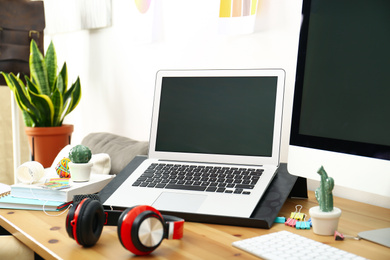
{"points": [[47, 142]]}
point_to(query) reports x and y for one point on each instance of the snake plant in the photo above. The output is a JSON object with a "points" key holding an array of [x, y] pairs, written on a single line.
{"points": [[44, 97]]}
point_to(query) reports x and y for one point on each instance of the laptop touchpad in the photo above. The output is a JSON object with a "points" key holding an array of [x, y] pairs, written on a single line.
{"points": [[180, 202]]}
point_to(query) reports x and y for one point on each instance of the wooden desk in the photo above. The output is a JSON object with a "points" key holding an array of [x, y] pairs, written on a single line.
{"points": [[47, 236]]}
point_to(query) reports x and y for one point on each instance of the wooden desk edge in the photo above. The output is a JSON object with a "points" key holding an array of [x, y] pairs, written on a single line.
{"points": [[26, 239]]}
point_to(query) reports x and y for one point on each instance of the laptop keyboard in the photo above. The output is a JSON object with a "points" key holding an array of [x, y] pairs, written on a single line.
{"points": [[200, 178]]}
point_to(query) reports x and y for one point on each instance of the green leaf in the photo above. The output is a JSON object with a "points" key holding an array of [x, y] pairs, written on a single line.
{"points": [[57, 99], [23, 98], [38, 69], [43, 103], [74, 94], [64, 74], [8, 80], [11, 85], [31, 85], [27, 119], [51, 65]]}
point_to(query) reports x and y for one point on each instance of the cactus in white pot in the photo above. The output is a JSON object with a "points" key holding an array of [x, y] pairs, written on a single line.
{"points": [[79, 165], [325, 217]]}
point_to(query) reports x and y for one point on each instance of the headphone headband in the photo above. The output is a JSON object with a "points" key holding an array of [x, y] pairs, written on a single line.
{"points": [[175, 227], [141, 229]]}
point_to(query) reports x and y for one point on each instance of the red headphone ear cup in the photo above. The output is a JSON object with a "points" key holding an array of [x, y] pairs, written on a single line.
{"points": [[89, 222], [141, 229], [69, 219]]}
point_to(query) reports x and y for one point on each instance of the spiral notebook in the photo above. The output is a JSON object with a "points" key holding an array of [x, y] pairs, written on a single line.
{"points": [[4, 190]]}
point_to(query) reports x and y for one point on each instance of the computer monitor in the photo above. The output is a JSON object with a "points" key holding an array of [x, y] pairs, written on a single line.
{"points": [[341, 107]]}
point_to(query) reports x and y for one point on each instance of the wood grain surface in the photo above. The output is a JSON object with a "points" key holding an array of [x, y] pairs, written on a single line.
{"points": [[47, 236]]}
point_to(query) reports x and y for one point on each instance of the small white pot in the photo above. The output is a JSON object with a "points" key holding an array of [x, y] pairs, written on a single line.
{"points": [[324, 223], [80, 172]]}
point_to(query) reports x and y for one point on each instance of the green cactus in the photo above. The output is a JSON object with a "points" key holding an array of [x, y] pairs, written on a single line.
{"points": [[80, 154], [324, 192]]}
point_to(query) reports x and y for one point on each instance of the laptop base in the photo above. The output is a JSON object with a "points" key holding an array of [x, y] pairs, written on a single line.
{"points": [[281, 187]]}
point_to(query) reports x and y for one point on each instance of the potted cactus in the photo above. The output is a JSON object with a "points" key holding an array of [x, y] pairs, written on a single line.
{"points": [[79, 165], [325, 217], [45, 100]]}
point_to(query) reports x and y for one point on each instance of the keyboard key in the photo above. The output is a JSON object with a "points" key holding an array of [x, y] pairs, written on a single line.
{"points": [[148, 174], [184, 187], [213, 188], [199, 178], [282, 245], [244, 186]]}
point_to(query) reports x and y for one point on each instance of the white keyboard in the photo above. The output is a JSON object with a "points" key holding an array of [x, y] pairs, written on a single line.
{"points": [[287, 245]]}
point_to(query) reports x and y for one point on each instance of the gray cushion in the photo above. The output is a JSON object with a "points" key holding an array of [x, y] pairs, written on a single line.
{"points": [[121, 149]]}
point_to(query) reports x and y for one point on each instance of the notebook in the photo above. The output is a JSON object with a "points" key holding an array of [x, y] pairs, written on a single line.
{"points": [[225, 124]]}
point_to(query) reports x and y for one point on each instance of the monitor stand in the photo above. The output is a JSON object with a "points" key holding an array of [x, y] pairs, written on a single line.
{"points": [[379, 236]]}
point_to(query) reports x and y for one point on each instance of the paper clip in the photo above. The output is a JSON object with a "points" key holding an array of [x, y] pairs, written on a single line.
{"points": [[280, 220], [340, 237], [292, 220], [303, 224], [297, 214]]}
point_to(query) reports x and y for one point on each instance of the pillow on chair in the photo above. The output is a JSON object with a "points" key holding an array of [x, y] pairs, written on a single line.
{"points": [[120, 149]]}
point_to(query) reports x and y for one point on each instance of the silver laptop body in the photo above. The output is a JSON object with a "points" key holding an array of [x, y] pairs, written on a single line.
{"points": [[218, 121]]}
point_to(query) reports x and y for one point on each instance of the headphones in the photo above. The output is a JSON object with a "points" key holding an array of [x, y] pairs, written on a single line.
{"points": [[141, 229]]}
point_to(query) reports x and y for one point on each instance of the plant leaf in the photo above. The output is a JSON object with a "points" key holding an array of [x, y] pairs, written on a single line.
{"points": [[8, 80], [27, 119], [57, 100], [74, 93], [51, 65], [30, 85], [23, 99], [11, 85], [38, 69], [64, 73], [43, 103]]}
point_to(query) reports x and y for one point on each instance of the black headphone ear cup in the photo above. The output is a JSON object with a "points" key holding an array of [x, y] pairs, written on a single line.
{"points": [[140, 229], [90, 222]]}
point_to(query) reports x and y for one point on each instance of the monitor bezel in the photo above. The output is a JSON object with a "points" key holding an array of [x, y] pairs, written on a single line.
{"points": [[322, 143]]}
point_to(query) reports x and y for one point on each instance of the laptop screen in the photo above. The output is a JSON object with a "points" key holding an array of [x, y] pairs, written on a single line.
{"points": [[222, 116], [217, 115]]}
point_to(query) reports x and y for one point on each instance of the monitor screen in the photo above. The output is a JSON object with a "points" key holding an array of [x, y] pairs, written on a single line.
{"points": [[342, 89]]}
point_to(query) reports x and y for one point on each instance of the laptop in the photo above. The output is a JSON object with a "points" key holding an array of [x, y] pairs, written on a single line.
{"points": [[214, 144]]}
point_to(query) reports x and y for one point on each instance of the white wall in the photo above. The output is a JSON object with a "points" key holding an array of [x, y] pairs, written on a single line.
{"points": [[117, 65]]}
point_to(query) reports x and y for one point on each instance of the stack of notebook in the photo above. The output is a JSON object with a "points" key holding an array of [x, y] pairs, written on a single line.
{"points": [[53, 194]]}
